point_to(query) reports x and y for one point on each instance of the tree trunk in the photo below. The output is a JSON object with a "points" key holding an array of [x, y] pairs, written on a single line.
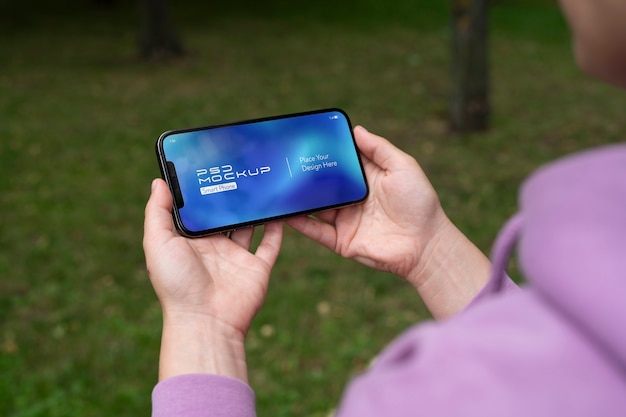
{"points": [[158, 38], [469, 110]]}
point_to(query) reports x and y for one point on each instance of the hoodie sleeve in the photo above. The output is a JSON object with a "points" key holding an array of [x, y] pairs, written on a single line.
{"points": [[507, 356], [201, 395]]}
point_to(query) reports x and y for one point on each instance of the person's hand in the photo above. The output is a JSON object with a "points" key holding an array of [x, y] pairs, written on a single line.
{"points": [[391, 228], [209, 288], [402, 228]]}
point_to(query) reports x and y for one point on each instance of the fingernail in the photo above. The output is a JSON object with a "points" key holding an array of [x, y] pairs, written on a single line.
{"points": [[153, 185]]}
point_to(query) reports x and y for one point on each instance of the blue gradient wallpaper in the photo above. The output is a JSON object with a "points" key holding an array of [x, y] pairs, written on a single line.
{"points": [[239, 174]]}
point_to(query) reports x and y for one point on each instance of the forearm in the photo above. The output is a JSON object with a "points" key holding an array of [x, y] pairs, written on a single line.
{"points": [[196, 345], [452, 272]]}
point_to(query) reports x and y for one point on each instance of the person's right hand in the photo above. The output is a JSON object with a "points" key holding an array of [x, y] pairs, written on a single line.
{"points": [[401, 228]]}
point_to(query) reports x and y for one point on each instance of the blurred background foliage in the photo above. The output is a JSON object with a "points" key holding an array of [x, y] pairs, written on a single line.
{"points": [[80, 112]]}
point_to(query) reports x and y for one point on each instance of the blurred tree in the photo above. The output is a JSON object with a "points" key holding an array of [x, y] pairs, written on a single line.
{"points": [[158, 38], [469, 109]]}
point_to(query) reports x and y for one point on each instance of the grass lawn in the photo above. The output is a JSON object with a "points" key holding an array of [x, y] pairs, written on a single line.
{"points": [[79, 115]]}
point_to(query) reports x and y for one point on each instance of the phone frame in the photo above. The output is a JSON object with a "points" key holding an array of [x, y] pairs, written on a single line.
{"points": [[175, 190]]}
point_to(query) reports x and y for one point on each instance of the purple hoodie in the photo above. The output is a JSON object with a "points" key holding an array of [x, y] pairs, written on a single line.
{"points": [[556, 347]]}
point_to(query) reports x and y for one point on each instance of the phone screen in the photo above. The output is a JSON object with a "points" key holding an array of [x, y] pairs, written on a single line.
{"points": [[246, 173]]}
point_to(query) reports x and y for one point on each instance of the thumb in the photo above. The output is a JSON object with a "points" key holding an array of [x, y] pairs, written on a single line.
{"points": [[158, 225], [377, 149]]}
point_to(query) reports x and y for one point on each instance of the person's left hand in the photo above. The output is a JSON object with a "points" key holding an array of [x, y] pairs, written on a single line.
{"points": [[209, 288]]}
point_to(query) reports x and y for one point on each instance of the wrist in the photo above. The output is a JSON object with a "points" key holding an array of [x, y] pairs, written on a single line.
{"points": [[200, 344], [451, 272]]}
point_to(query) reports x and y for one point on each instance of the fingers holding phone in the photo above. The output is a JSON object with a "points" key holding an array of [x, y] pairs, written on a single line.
{"points": [[392, 226]]}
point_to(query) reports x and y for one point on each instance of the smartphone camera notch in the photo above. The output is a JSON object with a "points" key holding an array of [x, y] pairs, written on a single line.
{"points": [[173, 180]]}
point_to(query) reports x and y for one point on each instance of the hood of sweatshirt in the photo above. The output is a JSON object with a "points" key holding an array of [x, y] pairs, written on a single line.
{"points": [[572, 242]]}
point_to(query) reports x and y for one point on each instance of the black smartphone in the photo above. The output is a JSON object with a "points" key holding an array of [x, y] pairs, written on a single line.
{"points": [[246, 173]]}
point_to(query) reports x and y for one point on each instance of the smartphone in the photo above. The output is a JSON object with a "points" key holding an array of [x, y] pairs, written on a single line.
{"points": [[247, 173]]}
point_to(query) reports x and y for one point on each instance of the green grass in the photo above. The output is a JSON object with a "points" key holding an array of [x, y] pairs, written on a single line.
{"points": [[79, 114]]}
